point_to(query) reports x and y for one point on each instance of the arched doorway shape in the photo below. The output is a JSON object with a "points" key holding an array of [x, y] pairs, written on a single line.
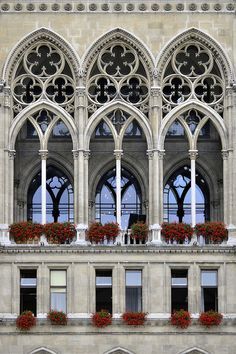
{"points": [[105, 200], [59, 197], [42, 350], [119, 350], [194, 350]]}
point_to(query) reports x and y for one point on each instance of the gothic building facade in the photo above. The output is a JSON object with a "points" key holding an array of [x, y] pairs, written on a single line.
{"points": [[113, 110]]}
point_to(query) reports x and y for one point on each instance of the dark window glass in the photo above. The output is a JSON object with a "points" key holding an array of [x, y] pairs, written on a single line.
{"points": [[104, 290], [179, 289], [209, 285], [133, 290], [28, 290]]}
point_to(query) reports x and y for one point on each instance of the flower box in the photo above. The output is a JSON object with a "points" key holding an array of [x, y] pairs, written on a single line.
{"points": [[26, 232], [210, 318], [213, 232], [176, 232], [25, 321], [101, 319], [98, 233], [57, 232], [134, 318], [57, 318], [139, 231], [180, 319]]}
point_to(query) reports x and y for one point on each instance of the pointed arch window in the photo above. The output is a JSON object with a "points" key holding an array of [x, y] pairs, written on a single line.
{"points": [[177, 197], [131, 199], [59, 197]]}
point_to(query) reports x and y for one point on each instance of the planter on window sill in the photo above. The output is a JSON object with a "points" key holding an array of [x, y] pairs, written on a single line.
{"points": [[210, 318], [59, 233], [25, 321], [102, 234], [180, 319], [101, 319], [139, 231], [211, 232], [58, 318], [26, 232], [134, 318]]}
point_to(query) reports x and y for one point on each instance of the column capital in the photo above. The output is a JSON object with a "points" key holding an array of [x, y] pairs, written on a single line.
{"points": [[43, 154], [11, 153], [225, 154], [150, 154], [193, 154], [75, 154], [155, 91], [86, 154], [161, 154], [118, 154], [80, 91]]}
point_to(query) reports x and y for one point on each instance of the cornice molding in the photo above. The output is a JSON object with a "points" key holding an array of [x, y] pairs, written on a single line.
{"points": [[131, 6]]}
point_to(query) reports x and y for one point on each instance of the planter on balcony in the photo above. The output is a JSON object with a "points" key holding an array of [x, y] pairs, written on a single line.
{"points": [[210, 318], [57, 318], [139, 231], [101, 319], [98, 233], [180, 319], [26, 232], [176, 232], [212, 232], [59, 233], [134, 318], [25, 321]]}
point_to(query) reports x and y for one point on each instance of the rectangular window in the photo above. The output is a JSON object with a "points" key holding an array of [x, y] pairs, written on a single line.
{"points": [[209, 290], [28, 290], [58, 290], [104, 290], [133, 290], [179, 289]]}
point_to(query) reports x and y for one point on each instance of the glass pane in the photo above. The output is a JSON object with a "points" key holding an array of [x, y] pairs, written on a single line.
{"points": [[133, 277], [103, 281], [28, 282], [58, 301], [209, 277], [133, 299], [58, 277]]}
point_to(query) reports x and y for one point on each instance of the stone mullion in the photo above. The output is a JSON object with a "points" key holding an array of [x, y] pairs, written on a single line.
{"points": [[193, 156], [150, 183], [76, 184], [86, 202], [161, 154]]}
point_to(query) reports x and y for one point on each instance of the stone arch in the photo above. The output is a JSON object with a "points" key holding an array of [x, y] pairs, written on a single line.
{"points": [[118, 34], [20, 119], [119, 350], [194, 34], [42, 350], [215, 118], [41, 34], [194, 350], [99, 114]]}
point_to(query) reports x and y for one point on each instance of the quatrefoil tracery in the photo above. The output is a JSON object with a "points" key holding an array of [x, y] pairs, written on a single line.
{"points": [[44, 73], [118, 74], [192, 72]]}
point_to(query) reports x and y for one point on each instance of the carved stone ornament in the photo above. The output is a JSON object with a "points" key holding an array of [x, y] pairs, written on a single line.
{"points": [[92, 7], [11, 154], [150, 154], [43, 7], [192, 7], [161, 154], [205, 7], [142, 7], [155, 7], [75, 154], [117, 7], [68, 7], [217, 7], [5, 7], [225, 154], [55, 7], [118, 154], [30, 7], [105, 7], [43, 154], [86, 154], [18, 7], [180, 7], [130, 7], [193, 154], [80, 7], [230, 7], [167, 7]]}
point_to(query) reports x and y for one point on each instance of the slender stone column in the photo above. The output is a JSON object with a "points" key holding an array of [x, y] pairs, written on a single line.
{"points": [[193, 155], [76, 184], [86, 202], [150, 184], [118, 154], [43, 154]]}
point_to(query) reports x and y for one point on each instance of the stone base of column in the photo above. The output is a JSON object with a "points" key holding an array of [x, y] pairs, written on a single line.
{"points": [[80, 235], [155, 230], [4, 235], [43, 240], [231, 235]]}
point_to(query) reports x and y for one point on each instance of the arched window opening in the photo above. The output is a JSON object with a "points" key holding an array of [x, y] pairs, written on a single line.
{"points": [[118, 73], [106, 197], [59, 198], [177, 197]]}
